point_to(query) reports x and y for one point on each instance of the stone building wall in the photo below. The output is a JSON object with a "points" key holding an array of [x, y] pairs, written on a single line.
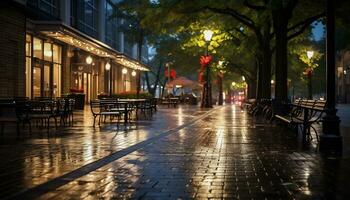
{"points": [[12, 51]]}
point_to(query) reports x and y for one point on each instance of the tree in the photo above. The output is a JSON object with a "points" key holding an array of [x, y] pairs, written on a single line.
{"points": [[271, 24]]}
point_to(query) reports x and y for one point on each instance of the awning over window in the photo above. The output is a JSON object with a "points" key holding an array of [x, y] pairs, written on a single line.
{"points": [[69, 35]]}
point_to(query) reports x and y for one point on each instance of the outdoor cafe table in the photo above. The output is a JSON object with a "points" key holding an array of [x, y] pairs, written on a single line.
{"points": [[133, 102]]}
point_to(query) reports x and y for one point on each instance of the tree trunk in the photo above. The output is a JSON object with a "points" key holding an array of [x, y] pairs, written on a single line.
{"points": [[153, 91], [251, 94], [147, 82], [163, 87], [221, 98], [281, 70], [259, 79], [139, 54], [266, 75]]}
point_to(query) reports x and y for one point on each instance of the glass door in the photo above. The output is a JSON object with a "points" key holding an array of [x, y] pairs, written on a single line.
{"points": [[56, 80], [36, 81], [87, 86], [47, 80]]}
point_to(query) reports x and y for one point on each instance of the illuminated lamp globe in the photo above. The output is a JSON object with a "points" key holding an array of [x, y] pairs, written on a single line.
{"points": [[88, 60], [133, 73], [124, 71], [310, 54], [208, 34], [108, 66]]}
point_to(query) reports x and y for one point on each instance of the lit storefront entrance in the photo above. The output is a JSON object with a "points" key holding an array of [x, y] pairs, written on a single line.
{"points": [[43, 68], [81, 75]]}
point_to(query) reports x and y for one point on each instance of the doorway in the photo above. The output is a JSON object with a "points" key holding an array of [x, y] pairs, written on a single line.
{"points": [[87, 86], [46, 79]]}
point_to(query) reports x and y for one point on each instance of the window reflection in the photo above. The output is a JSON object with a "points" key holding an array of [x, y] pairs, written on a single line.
{"points": [[57, 80], [37, 48], [47, 51], [36, 82], [56, 54]]}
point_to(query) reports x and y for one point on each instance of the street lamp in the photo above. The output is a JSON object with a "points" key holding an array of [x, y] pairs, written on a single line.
{"points": [[346, 84], [108, 68], [88, 60], [124, 71], [167, 65], [208, 34], [133, 73], [309, 54], [207, 103]]}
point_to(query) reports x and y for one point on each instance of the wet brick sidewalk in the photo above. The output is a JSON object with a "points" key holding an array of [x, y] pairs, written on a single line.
{"points": [[33, 160], [221, 154]]}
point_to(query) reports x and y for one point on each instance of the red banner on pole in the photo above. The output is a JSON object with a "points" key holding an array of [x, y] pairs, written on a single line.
{"points": [[172, 73]]}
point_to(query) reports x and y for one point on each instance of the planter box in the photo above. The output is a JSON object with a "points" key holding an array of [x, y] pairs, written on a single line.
{"points": [[79, 100]]}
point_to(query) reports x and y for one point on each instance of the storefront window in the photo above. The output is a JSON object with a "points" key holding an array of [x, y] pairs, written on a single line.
{"points": [[56, 80], [43, 75], [47, 81], [36, 81], [28, 72], [37, 48], [47, 51], [56, 53], [28, 75]]}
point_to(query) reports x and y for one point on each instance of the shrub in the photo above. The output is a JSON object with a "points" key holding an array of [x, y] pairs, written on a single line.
{"points": [[127, 95]]}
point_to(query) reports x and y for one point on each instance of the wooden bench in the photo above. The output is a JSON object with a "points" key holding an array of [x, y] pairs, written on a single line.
{"points": [[303, 114]]}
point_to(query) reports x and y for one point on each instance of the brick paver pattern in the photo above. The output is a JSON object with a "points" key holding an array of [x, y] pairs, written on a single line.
{"points": [[226, 154]]}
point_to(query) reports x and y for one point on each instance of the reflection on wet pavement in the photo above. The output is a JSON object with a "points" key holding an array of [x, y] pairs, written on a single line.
{"points": [[28, 162], [226, 154]]}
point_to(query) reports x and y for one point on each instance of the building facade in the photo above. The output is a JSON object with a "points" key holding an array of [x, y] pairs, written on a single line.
{"points": [[53, 47]]}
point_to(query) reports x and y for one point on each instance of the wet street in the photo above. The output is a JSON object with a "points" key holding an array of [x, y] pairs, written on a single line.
{"points": [[182, 153]]}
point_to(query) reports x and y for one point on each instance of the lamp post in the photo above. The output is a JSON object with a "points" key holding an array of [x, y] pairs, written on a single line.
{"points": [[345, 83], [124, 71], [133, 74], [88, 60], [167, 65], [309, 54], [108, 68], [207, 103]]}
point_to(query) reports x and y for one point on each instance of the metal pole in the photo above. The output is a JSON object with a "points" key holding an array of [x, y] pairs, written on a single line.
{"points": [[208, 88], [138, 86], [169, 79], [110, 82], [309, 86]]}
